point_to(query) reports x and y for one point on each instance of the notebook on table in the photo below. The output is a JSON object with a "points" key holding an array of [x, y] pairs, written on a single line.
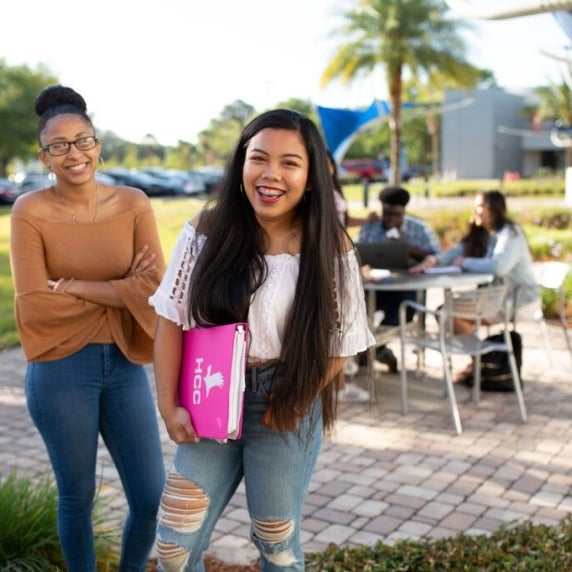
{"points": [[391, 255], [212, 379]]}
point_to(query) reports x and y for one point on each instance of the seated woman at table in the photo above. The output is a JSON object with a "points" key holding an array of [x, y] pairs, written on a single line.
{"points": [[473, 243], [507, 256]]}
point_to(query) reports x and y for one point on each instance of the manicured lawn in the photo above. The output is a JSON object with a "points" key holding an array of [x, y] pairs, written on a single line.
{"points": [[172, 213]]}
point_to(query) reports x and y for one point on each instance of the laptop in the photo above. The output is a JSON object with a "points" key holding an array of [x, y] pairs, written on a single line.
{"points": [[392, 255]]}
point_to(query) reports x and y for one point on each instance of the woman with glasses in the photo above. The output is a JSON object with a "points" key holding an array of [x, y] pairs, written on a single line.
{"points": [[85, 259]]}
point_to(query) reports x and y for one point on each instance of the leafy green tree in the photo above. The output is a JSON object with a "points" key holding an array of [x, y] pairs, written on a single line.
{"points": [[396, 35], [304, 106], [131, 158], [149, 152], [182, 157], [216, 142], [417, 141], [19, 87], [113, 149], [555, 104], [371, 142], [238, 111]]}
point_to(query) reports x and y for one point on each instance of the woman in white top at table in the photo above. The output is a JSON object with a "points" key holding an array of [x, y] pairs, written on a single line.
{"points": [[507, 257]]}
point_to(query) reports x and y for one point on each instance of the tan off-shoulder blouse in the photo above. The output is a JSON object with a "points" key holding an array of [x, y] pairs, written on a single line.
{"points": [[55, 325]]}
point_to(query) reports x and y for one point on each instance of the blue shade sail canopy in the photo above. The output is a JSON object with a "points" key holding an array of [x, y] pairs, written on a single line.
{"points": [[341, 125], [564, 19]]}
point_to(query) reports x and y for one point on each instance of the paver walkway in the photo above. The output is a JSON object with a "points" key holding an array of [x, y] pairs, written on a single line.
{"points": [[387, 476]]}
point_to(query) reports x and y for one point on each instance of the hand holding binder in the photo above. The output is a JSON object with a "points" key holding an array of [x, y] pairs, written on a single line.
{"points": [[212, 379]]}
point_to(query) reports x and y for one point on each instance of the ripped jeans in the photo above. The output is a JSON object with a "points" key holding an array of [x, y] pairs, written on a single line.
{"points": [[276, 467]]}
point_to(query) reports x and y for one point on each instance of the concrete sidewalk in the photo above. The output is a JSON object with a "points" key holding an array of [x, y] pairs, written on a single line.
{"points": [[385, 476]]}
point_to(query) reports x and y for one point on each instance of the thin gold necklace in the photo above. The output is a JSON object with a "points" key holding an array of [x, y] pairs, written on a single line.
{"points": [[68, 206]]}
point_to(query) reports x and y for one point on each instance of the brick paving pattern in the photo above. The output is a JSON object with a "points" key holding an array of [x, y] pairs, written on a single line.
{"points": [[385, 476]]}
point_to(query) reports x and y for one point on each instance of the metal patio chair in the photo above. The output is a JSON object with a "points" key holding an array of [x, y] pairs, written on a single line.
{"points": [[474, 305], [550, 276]]}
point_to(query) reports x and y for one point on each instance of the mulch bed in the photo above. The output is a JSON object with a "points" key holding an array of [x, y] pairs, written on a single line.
{"points": [[213, 564]]}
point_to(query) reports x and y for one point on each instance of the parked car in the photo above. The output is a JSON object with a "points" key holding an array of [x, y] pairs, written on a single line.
{"points": [[196, 183], [8, 191], [148, 184], [211, 175], [104, 179], [367, 169], [177, 182], [34, 181]]}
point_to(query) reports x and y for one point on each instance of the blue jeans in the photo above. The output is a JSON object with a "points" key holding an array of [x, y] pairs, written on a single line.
{"points": [[276, 467], [72, 400]]}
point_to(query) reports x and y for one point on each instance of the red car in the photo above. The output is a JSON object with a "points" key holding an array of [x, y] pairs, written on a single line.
{"points": [[369, 169]]}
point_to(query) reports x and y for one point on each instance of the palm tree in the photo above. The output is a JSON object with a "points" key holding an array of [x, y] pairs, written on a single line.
{"points": [[415, 35]]}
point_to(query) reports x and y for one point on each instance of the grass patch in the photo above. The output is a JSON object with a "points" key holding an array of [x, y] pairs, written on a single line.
{"points": [[548, 231], [8, 334], [171, 215]]}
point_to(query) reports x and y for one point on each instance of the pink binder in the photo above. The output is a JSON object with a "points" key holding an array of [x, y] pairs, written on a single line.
{"points": [[211, 381]]}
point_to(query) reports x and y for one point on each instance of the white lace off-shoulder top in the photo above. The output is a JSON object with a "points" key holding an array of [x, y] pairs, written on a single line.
{"points": [[270, 304]]}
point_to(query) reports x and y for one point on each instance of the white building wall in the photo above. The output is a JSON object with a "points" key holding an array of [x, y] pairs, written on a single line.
{"points": [[473, 147]]}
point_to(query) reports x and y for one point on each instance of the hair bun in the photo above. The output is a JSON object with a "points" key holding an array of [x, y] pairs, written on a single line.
{"points": [[55, 95]]}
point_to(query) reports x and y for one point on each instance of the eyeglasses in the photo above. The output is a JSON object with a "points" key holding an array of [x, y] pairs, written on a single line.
{"points": [[63, 147]]}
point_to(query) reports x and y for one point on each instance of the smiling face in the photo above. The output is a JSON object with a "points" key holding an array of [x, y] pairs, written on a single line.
{"points": [[275, 174], [75, 167]]}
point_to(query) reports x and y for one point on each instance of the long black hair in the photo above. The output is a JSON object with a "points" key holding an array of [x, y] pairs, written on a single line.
{"points": [[497, 208], [231, 267], [336, 182], [476, 240]]}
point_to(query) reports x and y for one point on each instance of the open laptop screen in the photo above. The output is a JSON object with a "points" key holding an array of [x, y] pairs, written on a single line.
{"points": [[393, 255]]}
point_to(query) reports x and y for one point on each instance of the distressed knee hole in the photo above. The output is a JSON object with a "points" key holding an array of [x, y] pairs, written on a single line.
{"points": [[183, 504], [275, 532], [171, 557]]}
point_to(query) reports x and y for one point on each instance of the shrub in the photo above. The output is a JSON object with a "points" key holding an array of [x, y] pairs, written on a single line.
{"points": [[527, 546], [560, 219], [28, 534], [28, 531]]}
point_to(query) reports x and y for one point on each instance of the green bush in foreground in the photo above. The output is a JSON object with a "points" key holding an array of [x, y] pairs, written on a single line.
{"points": [[28, 531], [524, 547]]}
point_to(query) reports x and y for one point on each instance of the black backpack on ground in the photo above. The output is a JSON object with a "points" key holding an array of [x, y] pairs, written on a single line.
{"points": [[495, 367]]}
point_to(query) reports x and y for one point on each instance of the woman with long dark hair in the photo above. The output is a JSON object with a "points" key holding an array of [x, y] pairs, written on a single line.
{"points": [[269, 251], [473, 243], [507, 256]]}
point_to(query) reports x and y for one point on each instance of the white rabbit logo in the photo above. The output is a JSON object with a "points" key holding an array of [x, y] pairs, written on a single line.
{"points": [[213, 380]]}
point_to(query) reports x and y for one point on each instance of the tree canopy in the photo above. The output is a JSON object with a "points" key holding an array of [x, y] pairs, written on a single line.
{"points": [[19, 87]]}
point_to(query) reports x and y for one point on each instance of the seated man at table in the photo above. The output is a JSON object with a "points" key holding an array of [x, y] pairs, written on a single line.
{"points": [[395, 224]]}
